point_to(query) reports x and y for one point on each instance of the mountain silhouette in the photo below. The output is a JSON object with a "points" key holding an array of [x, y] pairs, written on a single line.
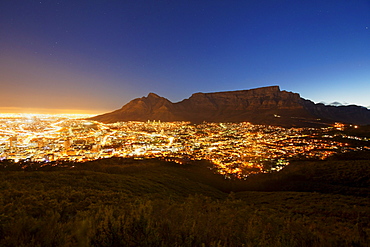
{"points": [[266, 105]]}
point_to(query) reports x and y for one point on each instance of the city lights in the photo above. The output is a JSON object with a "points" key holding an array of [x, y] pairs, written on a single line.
{"points": [[236, 149]]}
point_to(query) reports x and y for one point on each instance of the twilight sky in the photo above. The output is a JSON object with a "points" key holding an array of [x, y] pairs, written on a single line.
{"points": [[95, 56]]}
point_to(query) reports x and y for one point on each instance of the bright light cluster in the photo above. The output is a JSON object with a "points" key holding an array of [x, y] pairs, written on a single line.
{"points": [[236, 149]]}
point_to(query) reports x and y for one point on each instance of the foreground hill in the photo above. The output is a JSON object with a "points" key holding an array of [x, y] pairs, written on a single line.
{"points": [[267, 105], [127, 202]]}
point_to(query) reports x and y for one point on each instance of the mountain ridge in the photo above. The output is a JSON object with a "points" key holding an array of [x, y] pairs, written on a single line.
{"points": [[265, 105]]}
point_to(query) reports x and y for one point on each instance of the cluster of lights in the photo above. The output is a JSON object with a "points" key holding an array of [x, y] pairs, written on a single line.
{"points": [[239, 149]]}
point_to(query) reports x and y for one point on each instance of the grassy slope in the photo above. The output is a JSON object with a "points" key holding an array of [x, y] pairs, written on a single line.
{"points": [[153, 203]]}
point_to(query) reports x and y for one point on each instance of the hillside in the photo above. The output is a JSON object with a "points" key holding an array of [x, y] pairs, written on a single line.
{"points": [[127, 202], [267, 105]]}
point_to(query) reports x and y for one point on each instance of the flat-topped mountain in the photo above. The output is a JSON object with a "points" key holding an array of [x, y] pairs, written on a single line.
{"points": [[266, 105]]}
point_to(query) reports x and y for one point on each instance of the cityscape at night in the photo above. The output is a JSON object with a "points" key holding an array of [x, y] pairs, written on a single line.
{"points": [[215, 123], [235, 149]]}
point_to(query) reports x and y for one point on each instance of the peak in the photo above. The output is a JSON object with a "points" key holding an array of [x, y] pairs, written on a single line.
{"points": [[153, 95]]}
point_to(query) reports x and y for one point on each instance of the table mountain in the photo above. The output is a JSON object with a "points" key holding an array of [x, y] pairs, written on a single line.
{"points": [[266, 105]]}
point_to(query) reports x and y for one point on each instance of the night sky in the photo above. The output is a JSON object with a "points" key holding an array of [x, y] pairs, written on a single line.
{"points": [[95, 56]]}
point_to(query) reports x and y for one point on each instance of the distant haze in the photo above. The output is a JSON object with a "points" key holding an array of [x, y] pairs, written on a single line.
{"points": [[48, 110]]}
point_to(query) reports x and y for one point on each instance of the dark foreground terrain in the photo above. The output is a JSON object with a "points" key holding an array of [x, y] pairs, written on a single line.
{"points": [[128, 202]]}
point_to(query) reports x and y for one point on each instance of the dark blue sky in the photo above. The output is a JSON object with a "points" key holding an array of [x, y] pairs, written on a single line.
{"points": [[98, 55]]}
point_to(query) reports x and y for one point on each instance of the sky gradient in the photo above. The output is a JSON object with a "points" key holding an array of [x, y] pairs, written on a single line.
{"points": [[95, 56]]}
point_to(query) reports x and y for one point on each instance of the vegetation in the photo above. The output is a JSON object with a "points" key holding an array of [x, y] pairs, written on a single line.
{"points": [[128, 202]]}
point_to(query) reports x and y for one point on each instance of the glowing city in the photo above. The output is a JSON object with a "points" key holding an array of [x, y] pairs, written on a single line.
{"points": [[236, 149]]}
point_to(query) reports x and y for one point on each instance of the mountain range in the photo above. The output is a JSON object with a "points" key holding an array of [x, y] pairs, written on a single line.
{"points": [[265, 105]]}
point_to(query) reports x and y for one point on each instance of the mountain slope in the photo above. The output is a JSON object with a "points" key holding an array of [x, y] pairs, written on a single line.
{"points": [[267, 105]]}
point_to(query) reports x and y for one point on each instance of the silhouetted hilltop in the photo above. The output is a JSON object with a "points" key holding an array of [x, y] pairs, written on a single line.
{"points": [[266, 105]]}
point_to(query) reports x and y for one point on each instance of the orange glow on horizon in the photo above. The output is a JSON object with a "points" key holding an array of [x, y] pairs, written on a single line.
{"points": [[21, 110]]}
